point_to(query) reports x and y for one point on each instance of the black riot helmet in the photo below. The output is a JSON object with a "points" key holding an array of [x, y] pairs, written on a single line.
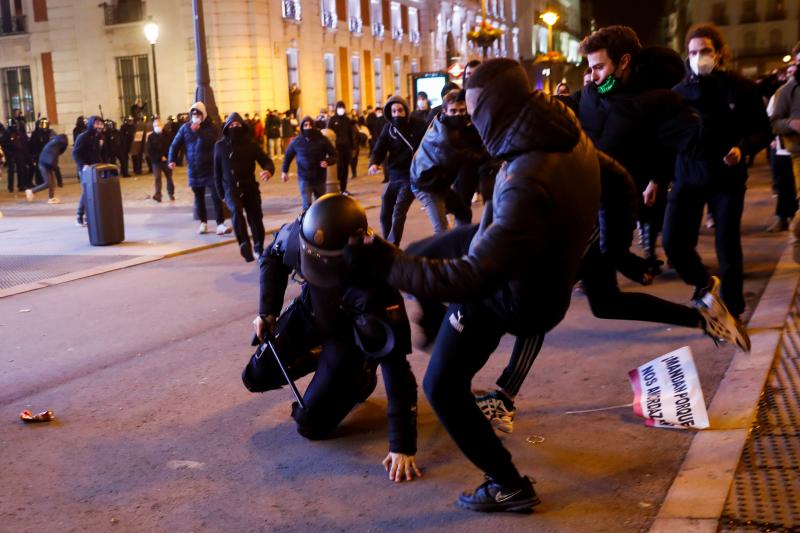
{"points": [[326, 227]]}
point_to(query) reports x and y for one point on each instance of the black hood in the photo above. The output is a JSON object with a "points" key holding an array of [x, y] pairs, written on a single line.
{"points": [[238, 118], [91, 120], [387, 107], [62, 142], [306, 119], [657, 67], [512, 120]]}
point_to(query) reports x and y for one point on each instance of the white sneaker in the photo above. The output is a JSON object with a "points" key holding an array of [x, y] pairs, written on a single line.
{"points": [[718, 322], [222, 229], [53, 200], [29, 194], [203, 229], [495, 411]]}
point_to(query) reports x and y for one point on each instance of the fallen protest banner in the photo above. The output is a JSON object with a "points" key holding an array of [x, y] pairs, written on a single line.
{"points": [[667, 392]]}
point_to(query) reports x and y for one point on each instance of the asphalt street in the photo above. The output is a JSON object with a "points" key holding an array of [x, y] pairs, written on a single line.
{"points": [[155, 432]]}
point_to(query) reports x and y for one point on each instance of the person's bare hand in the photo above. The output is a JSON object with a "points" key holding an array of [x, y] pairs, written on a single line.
{"points": [[264, 325], [650, 193], [284, 177], [265, 175], [373, 169], [172, 165], [324, 164], [401, 466], [733, 157]]}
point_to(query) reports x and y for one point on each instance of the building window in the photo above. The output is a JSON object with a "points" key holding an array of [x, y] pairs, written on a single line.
{"points": [[397, 21], [396, 72], [354, 16], [414, 66], [378, 82], [513, 10], [749, 12], [292, 65], [502, 6], [18, 92], [749, 42], [355, 69], [291, 10], [776, 10], [515, 42], [123, 11], [133, 75], [413, 25], [718, 15], [776, 39], [12, 19], [328, 12], [330, 80], [376, 16]]}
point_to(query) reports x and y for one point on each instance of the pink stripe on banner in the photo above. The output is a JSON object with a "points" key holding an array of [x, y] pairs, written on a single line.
{"points": [[636, 385]]}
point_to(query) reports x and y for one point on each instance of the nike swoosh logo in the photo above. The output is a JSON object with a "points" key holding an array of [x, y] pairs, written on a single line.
{"points": [[500, 497]]}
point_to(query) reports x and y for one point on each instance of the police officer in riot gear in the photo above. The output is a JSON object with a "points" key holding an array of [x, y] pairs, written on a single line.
{"points": [[357, 329]]}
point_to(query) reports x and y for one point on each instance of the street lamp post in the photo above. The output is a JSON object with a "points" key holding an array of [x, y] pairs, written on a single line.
{"points": [[549, 18], [151, 33], [203, 93]]}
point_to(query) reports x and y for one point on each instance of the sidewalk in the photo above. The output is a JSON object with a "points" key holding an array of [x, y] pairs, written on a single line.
{"points": [[42, 246]]}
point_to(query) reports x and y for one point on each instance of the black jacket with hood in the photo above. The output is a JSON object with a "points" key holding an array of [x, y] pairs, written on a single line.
{"points": [[310, 151], [733, 114], [52, 150], [398, 142], [235, 160], [87, 149], [523, 260], [344, 128]]}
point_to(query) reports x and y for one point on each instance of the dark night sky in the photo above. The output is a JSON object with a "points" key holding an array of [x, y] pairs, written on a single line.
{"points": [[641, 15]]}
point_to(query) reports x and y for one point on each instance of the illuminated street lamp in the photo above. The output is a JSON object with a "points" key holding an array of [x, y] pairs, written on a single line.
{"points": [[484, 34], [549, 18], [151, 34]]}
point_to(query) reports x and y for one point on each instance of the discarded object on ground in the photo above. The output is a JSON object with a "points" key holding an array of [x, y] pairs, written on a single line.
{"points": [[30, 418], [667, 392]]}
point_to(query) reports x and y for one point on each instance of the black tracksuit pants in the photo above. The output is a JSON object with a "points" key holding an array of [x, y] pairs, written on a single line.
{"points": [[246, 210], [344, 156], [681, 229]]}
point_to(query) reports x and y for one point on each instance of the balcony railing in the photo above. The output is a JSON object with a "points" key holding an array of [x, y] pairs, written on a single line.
{"points": [[291, 10], [749, 18], [397, 34], [123, 13], [13, 24], [355, 24], [776, 14], [329, 20], [377, 29], [413, 36]]}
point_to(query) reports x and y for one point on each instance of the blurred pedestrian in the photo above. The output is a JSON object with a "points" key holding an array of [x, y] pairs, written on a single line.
{"points": [[158, 143]]}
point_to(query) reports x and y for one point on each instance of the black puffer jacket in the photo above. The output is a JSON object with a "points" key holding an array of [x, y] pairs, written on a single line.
{"points": [[523, 261], [310, 152], [733, 114], [345, 130], [443, 152], [398, 143], [235, 161], [52, 150]]}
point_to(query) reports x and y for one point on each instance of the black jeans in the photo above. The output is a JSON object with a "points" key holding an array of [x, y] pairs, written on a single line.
{"points": [[395, 202], [200, 204], [783, 182], [467, 337], [344, 155], [248, 204], [158, 168], [681, 229]]}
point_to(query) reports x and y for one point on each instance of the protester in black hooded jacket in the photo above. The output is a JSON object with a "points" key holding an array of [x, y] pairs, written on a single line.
{"points": [[397, 143], [315, 154], [48, 165], [88, 150], [518, 274], [39, 137], [235, 158], [345, 130], [734, 115]]}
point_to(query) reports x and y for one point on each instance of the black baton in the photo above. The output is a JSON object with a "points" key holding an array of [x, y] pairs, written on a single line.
{"points": [[268, 344]]}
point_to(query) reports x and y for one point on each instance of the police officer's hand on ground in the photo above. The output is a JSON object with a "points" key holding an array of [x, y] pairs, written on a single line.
{"points": [[399, 465]]}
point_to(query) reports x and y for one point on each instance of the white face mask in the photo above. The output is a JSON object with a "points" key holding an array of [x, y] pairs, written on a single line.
{"points": [[197, 119], [339, 111], [157, 129], [702, 64], [422, 104]]}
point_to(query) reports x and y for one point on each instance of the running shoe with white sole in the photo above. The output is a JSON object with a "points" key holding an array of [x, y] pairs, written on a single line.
{"points": [[496, 411], [718, 322]]}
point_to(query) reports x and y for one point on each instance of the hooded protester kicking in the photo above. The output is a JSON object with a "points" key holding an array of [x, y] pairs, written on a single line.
{"points": [[314, 153], [199, 136], [235, 158], [48, 165], [518, 274], [397, 143]]}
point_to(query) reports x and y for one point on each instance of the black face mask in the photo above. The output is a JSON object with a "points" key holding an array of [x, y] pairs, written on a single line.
{"points": [[238, 135], [456, 121], [399, 121], [307, 132]]}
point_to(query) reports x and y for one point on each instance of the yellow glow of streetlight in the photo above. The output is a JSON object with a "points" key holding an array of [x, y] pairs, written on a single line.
{"points": [[549, 18], [786, 59], [151, 32]]}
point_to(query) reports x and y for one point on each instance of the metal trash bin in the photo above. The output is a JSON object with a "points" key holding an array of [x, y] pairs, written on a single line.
{"points": [[104, 214]]}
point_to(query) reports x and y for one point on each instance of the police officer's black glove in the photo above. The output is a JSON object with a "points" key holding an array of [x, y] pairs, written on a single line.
{"points": [[369, 259]]}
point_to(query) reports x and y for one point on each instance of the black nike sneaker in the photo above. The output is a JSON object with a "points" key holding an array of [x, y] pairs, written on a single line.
{"points": [[491, 497]]}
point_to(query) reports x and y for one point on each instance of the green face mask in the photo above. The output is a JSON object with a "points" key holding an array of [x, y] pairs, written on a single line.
{"points": [[608, 85]]}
